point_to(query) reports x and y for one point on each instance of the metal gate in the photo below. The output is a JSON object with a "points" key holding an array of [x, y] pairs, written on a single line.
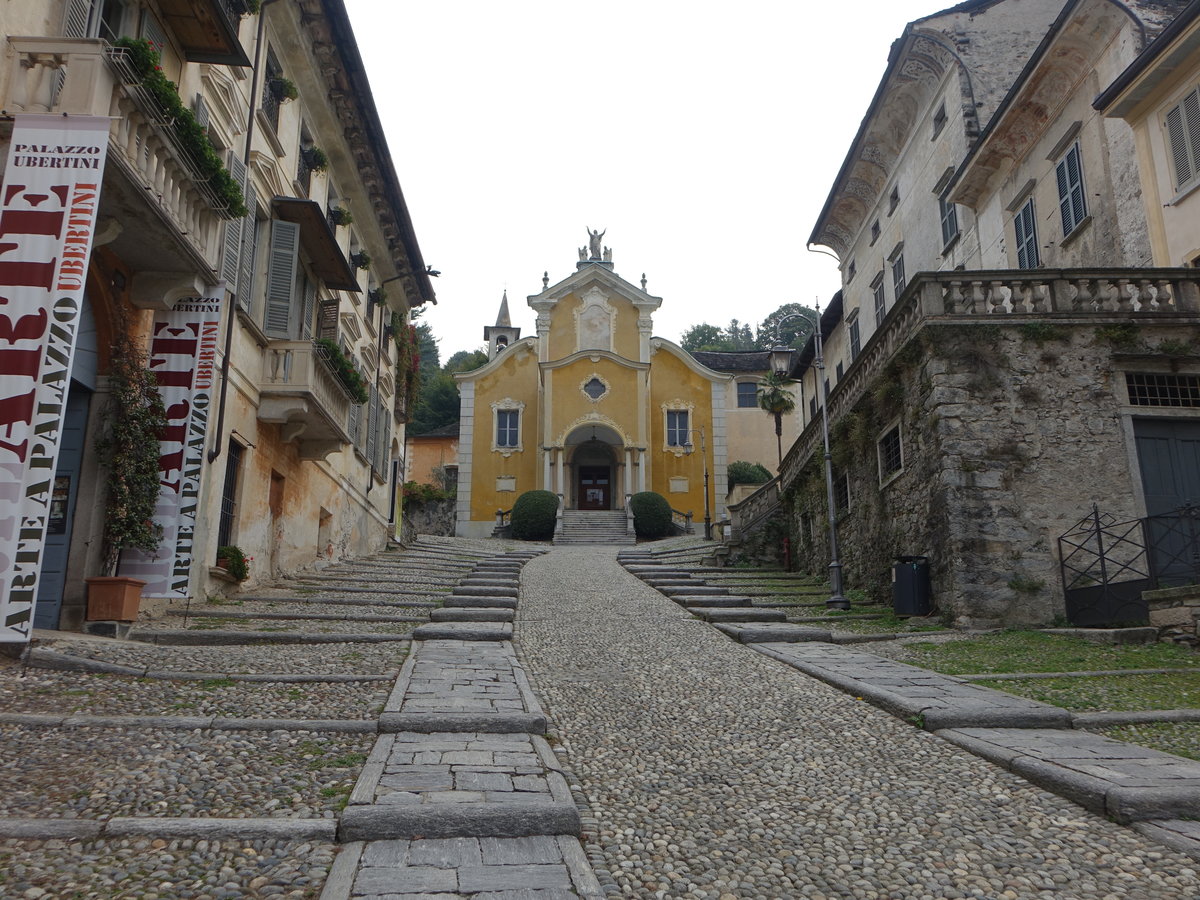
{"points": [[1105, 568]]}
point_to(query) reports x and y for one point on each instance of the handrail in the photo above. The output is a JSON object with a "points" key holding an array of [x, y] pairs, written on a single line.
{"points": [[746, 516], [682, 521], [558, 516], [503, 518], [629, 529]]}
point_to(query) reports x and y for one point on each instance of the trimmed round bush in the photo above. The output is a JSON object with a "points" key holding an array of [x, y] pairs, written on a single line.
{"points": [[742, 472], [651, 514], [534, 515]]}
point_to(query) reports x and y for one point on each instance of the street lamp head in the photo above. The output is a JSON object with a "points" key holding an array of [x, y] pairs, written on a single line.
{"points": [[781, 360], [689, 448]]}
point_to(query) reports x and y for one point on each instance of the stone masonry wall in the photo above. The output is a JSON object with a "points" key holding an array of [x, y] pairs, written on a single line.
{"points": [[1010, 433], [434, 517]]}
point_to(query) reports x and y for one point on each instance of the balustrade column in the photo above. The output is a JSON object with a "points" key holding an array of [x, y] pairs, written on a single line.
{"points": [[547, 474], [641, 479], [562, 484]]}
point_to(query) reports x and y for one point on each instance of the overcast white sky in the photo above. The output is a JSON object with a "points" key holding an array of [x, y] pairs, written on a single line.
{"points": [[703, 136]]}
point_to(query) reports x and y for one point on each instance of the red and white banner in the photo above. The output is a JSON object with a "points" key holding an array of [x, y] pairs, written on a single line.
{"points": [[48, 204], [183, 351]]}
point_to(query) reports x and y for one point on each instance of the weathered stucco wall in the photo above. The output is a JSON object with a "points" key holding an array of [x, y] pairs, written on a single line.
{"points": [[1009, 433]]}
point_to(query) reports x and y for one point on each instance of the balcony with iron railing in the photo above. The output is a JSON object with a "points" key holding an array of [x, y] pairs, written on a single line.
{"points": [[1061, 297], [207, 30], [160, 165], [300, 390]]}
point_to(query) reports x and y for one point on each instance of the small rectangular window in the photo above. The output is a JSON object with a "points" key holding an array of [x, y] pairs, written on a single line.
{"points": [[893, 199], [841, 494], [1027, 248], [855, 341], [949, 216], [851, 271], [507, 427], [939, 120], [677, 428], [877, 293], [1163, 389], [1072, 202], [838, 373], [747, 395], [875, 231], [891, 455], [1183, 134], [898, 281]]}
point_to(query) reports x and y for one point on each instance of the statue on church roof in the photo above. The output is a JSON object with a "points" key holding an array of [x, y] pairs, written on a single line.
{"points": [[594, 238]]}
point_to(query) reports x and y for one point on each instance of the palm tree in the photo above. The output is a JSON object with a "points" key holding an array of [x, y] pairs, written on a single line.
{"points": [[775, 400]]}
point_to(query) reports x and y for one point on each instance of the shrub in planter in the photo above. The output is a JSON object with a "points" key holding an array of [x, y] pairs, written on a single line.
{"points": [[534, 515], [360, 260], [233, 560], [339, 215], [651, 514], [742, 472], [315, 158], [284, 89]]}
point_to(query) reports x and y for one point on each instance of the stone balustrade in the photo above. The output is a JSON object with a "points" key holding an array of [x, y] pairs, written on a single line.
{"points": [[981, 297], [299, 390], [747, 515], [89, 77]]}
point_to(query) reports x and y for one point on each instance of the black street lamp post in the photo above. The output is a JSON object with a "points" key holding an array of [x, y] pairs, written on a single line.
{"points": [[690, 448], [781, 361]]}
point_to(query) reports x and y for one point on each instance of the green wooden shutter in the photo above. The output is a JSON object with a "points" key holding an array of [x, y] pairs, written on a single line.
{"points": [[245, 293], [281, 279], [232, 251]]}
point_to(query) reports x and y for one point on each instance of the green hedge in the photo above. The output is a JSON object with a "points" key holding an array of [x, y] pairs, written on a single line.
{"points": [[651, 514], [534, 515], [742, 472]]}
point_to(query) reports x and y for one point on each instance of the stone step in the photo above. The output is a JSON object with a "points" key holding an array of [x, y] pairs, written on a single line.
{"points": [[482, 614], [463, 631], [772, 632], [699, 590], [457, 602], [744, 614], [689, 602], [486, 591]]}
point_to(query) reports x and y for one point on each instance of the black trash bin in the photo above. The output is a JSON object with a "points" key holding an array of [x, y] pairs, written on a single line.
{"points": [[910, 586]]}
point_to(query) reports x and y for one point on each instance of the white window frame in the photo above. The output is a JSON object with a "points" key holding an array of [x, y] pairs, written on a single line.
{"points": [[948, 213], [738, 395], [1072, 196], [879, 295], [508, 405], [688, 410], [896, 262]]}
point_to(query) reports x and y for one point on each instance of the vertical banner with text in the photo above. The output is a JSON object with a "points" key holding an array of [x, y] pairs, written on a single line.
{"points": [[183, 352], [48, 205]]}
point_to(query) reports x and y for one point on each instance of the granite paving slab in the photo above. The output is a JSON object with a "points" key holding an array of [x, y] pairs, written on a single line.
{"points": [[468, 590], [449, 685], [456, 601], [928, 699], [1125, 781], [538, 868], [459, 784]]}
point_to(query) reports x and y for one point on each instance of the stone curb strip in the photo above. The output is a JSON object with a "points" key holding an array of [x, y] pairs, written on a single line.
{"points": [[289, 617], [43, 658], [1112, 778], [209, 829], [182, 638]]}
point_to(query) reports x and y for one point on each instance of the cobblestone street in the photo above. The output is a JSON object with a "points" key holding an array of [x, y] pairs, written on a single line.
{"points": [[249, 750]]}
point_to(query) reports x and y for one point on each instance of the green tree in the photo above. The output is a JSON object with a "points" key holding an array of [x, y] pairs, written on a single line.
{"points": [[465, 361], [775, 400], [701, 337], [794, 333], [438, 406]]}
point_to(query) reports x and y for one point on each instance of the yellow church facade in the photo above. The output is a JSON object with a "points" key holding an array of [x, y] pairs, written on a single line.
{"points": [[592, 407]]}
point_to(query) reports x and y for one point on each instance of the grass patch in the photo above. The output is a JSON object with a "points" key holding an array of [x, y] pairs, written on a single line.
{"points": [[1034, 651], [1180, 738], [1110, 692], [211, 684]]}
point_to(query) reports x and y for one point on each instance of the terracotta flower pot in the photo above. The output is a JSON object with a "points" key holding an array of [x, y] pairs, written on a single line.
{"points": [[113, 598]]}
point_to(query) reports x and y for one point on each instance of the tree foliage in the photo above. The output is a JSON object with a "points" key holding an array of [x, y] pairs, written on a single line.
{"points": [[534, 516], [651, 514], [738, 336], [742, 472]]}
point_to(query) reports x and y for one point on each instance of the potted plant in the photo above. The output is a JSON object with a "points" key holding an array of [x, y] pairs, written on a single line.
{"points": [[339, 215], [360, 260], [234, 561], [284, 89], [129, 450], [315, 159]]}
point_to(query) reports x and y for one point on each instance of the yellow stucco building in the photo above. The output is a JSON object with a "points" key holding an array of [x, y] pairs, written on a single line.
{"points": [[592, 407]]}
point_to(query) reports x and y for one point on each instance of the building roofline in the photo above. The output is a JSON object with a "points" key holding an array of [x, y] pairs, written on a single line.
{"points": [[1150, 53]]}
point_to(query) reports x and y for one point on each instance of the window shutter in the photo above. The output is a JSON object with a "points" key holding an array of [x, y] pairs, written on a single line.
{"points": [[153, 31], [1191, 122], [245, 293], [308, 309], [76, 24], [1064, 196], [281, 279], [1179, 155], [372, 426], [327, 320], [232, 252]]}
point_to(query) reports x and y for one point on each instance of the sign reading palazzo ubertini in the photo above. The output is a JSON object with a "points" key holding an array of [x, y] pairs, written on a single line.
{"points": [[48, 204]]}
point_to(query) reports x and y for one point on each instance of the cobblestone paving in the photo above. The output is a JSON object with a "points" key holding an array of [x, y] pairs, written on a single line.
{"points": [[157, 869], [143, 772], [61, 693], [714, 772]]}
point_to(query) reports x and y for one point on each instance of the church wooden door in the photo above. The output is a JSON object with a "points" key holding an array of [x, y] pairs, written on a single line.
{"points": [[595, 487]]}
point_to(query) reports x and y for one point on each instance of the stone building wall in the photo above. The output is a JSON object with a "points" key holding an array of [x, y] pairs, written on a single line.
{"points": [[1010, 433]]}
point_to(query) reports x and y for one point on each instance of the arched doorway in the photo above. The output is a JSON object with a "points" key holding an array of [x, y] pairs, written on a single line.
{"points": [[595, 468]]}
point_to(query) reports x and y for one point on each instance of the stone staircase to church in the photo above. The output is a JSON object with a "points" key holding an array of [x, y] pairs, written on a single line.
{"points": [[587, 526]]}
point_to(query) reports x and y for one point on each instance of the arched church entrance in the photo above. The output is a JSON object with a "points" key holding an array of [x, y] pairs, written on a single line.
{"points": [[596, 482]]}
